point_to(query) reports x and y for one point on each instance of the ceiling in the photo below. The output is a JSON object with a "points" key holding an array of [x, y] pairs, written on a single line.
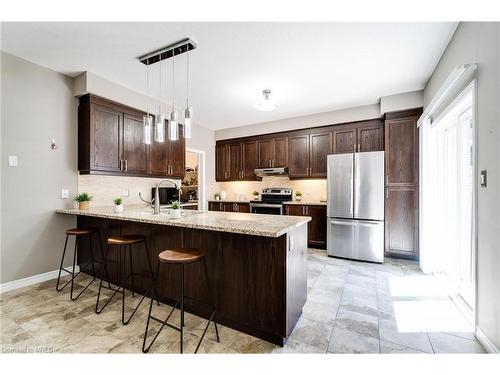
{"points": [[310, 67]]}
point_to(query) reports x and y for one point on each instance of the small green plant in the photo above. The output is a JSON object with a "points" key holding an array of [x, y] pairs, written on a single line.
{"points": [[118, 201], [217, 195], [83, 197], [255, 193], [176, 205], [298, 193]]}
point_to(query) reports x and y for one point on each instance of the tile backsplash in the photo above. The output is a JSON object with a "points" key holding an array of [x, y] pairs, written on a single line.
{"points": [[106, 188], [312, 190]]}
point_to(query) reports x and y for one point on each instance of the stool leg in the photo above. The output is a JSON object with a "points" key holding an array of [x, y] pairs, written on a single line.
{"points": [[61, 266], [131, 270], [182, 306], [122, 266], [144, 349], [92, 257], [102, 257], [152, 273], [100, 285], [73, 270]]}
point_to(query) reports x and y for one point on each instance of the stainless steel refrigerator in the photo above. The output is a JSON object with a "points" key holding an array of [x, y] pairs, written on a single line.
{"points": [[355, 207]]}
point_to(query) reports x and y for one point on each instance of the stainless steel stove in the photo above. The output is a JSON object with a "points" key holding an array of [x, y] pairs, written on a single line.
{"points": [[272, 201]]}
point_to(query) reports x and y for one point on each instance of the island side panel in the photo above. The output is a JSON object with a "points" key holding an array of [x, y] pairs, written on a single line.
{"points": [[248, 273], [296, 275]]}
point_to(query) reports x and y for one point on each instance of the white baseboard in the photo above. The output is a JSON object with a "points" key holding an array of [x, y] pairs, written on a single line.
{"points": [[485, 342], [27, 281]]}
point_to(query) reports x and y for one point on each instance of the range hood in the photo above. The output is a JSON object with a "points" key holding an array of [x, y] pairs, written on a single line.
{"points": [[262, 172]]}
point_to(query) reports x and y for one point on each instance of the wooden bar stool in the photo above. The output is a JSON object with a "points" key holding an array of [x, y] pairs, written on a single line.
{"points": [[78, 232], [181, 257], [123, 242]]}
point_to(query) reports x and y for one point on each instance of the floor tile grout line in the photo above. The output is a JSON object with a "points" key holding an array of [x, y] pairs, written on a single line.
{"points": [[338, 308]]}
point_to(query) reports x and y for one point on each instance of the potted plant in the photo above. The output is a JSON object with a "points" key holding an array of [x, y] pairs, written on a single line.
{"points": [[298, 196], [217, 196], [118, 205], [255, 194], [83, 200], [175, 210]]}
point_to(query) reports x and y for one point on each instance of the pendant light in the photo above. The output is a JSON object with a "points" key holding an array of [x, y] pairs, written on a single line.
{"points": [[147, 121], [188, 112], [267, 104], [173, 128], [160, 117]]}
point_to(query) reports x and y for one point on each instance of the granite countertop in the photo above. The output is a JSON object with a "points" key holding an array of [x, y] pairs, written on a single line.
{"points": [[230, 222], [307, 203]]}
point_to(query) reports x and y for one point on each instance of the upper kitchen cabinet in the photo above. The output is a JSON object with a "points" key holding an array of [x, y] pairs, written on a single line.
{"points": [[236, 161], [308, 154], [110, 141], [401, 183], [272, 152], [358, 137]]}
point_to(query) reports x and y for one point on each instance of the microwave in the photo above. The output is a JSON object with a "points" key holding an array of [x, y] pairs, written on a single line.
{"points": [[167, 194]]}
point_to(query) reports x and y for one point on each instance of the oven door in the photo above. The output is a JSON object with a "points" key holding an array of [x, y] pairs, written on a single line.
{"points": [[266, 208]]}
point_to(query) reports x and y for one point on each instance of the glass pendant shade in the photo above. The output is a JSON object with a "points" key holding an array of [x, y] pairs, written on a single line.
{"points": [[147, 122], [173, 128], [160, 128], [188, 118]]}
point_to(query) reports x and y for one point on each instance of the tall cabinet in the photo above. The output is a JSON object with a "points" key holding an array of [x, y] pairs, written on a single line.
{"points": [[401, 184]]}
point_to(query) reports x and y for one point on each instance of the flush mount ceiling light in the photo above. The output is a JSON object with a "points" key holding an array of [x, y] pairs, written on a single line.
{"points": [[159, 55], [266, 104]]}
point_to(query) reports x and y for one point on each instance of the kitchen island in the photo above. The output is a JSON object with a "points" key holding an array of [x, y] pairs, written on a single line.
{"points": [[257, 263]]}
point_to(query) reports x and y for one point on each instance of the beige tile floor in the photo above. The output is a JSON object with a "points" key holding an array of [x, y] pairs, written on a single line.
{"points": [[352, 307]]}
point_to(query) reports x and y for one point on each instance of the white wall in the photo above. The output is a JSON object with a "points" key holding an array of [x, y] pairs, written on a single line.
{"points": [[480, 42], [366, 112], [37, 105], [397, 102]]}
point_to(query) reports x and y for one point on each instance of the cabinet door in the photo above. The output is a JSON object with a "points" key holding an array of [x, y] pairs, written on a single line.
{"points": [[344, 141], [295, 210], [177, 155], [265, 152], [320, 148], [317, 226], [221, 162], [401, 151], [234, 161], [134, 148], [215, 206], [243, 207], [228, 207], [106, 138], [298, 164], [280, 158], [249, 160], [370, 138], [158, 158], [401, 223]]}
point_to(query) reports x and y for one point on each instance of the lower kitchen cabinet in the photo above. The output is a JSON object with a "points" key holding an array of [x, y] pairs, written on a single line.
{"points": [[228, 206], [316, 228]]}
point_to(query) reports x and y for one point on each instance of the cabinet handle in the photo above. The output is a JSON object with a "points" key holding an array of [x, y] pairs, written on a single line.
{"points": [[359, 147], [386, 193], [220, 206], [121, 165], [126, 165], [387, 179]]}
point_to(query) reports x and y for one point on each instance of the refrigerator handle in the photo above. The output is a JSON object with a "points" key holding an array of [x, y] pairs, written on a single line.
{"points": [[336, 222]]}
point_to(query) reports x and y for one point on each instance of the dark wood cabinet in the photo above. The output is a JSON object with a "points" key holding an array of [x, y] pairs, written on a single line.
{"points": [[303, 151], [272, 152], [249, 160], [229, 206], [110, 141], [401, 173], [316, 228], [344, 140], [298, 165]]}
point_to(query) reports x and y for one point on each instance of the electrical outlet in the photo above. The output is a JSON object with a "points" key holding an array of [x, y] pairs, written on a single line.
{"points": [[64, 193], [125, 193], [12, 160]]}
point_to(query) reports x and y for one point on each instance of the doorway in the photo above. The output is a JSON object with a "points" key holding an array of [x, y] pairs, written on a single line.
{"points": [[193, 184], [448, 200]]}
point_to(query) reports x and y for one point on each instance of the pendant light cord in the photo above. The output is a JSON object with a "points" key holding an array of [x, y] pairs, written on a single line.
{"points": [[173, 80], [187, 78], [147, 84]]}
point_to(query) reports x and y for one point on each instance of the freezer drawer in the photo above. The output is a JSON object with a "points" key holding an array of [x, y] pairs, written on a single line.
{"points": [[356, 239]]}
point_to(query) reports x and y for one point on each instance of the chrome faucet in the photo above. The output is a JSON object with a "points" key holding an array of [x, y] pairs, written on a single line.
{"points": [[156, 209]]}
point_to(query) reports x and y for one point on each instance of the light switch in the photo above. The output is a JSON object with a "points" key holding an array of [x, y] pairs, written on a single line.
{"points": [[125, 193], [64, 193], [12, 160]]}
